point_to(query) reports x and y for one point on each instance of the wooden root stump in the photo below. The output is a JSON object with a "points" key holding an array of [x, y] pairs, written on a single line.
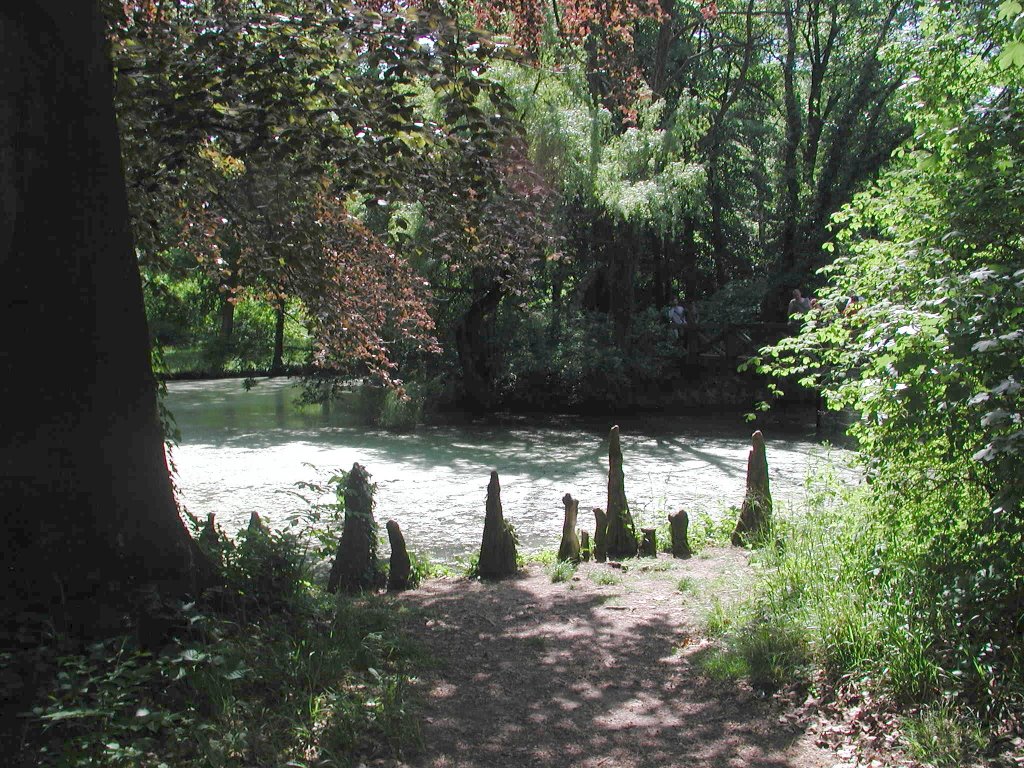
{"points": [[256, 523], [679, 524], [400, 566], [585, 546], [355, 564], [649, 543], [498, 548], [569, 549], [600, 535], [209, 536], [756, 512], [621, 534]]}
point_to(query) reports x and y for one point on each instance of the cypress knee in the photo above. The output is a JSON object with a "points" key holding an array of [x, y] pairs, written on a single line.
{"points": [[355, 565], [756, 512], [621, 533], [400, 565], [256, 523], [569, 549], [679, 524], [498, 548], [649, 543], [585, 546], [600, 535], [209, 536]]}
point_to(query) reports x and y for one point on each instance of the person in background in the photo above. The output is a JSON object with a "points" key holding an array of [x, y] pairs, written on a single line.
{"points": [[798, 305], [853, 300], [677, 318]]}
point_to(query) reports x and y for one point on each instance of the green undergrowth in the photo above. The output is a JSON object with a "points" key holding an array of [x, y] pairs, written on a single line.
{"points": [[254, 674], [844, 597]]}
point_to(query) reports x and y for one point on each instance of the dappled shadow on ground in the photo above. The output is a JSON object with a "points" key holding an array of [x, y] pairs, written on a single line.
{"points": [[530, 673]]}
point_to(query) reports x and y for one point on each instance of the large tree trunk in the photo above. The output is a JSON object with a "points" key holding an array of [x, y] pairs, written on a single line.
{"points": [[89, 511]]}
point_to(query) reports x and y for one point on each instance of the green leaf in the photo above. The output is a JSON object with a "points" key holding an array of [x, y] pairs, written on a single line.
{"points": [[72, 714], [1010, 9], [1012, 55]]}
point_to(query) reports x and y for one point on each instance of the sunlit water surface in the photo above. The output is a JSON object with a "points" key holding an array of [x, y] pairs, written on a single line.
{"points": [[247, 450]]}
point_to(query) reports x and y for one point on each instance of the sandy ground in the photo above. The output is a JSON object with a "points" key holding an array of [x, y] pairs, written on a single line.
{"points": [[526, 672]]}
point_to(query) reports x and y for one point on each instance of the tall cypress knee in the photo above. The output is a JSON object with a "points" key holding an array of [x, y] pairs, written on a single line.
{"points": [[756, 512], [498, 548], [355, 565], [621, 533]]}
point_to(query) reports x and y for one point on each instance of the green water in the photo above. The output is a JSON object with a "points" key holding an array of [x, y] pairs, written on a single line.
{"points": [[246, 450]]}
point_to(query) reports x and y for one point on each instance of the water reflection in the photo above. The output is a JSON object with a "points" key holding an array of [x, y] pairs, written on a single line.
{"points": [[245, 450]]}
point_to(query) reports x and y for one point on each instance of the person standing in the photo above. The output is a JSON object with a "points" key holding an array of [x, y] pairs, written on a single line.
{"points": [[798, 305], [677, 318]]}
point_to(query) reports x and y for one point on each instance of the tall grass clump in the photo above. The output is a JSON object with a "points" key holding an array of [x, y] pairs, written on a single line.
{"points": [[831, 596]]}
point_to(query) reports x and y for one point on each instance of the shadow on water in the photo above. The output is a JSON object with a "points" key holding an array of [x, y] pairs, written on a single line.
{"points": [[244, 450]]}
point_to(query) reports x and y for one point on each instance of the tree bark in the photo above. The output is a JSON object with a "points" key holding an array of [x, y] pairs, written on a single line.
{"points": [[471, 349], [89, 509], [277, 363]]}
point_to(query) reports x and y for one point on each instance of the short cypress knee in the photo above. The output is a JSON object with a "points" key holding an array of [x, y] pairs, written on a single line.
{"points": [[679, 524], [400, 566], [569, 549], [600, 535], [649, 543]]}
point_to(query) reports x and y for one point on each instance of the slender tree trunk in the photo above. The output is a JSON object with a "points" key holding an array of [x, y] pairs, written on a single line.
{"points": [[88, 505], [277, 364], [790, 193], [471, 348]]}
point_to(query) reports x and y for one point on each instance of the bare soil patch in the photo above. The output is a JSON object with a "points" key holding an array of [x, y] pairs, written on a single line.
{"points": [[526, 672]]}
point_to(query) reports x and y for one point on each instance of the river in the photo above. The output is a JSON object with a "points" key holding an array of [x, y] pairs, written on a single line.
{"points": [[243, 450]]}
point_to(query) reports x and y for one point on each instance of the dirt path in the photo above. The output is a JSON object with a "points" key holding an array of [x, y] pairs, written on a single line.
{"points": [[583, 673]]}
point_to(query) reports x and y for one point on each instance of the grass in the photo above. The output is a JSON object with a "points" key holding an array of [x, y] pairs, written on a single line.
{"points": [[604, 577], [941, 737], [655, 566], [562, 571], [688, 586], [842, 596]]}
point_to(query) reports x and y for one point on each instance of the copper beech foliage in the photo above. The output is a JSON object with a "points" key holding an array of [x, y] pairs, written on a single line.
{"points": [[601, 30], [251, 129]]}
